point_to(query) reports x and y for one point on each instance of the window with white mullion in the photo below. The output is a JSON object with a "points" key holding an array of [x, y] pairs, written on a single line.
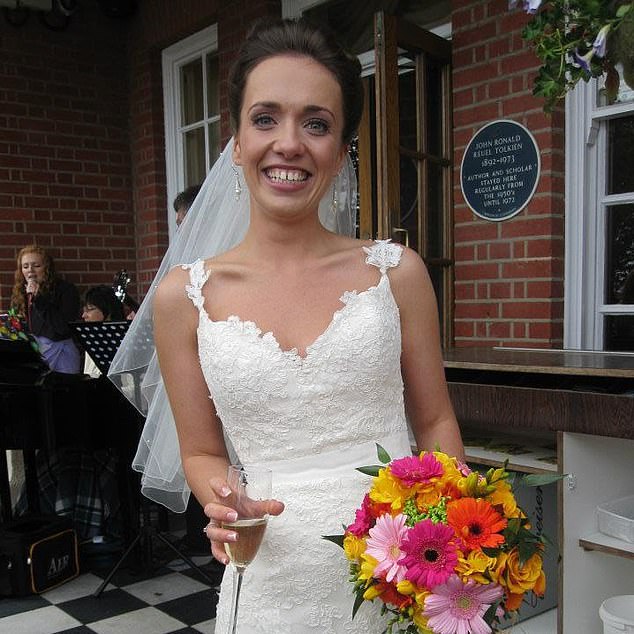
{"points": [[599, 302], [192, 112]]}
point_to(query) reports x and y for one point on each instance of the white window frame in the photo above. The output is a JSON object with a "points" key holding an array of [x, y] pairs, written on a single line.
{"points": [[173, 58], [585, 214]]}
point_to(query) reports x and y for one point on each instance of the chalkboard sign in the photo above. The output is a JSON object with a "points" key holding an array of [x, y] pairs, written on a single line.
{"points": [[500, 170]]}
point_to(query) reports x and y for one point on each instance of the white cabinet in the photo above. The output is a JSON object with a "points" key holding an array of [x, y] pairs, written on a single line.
{"points": [[602, 469]]}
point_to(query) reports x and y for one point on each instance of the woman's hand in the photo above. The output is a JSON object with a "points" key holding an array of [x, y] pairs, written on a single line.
{"points": [[32, 286], [222, 511]]}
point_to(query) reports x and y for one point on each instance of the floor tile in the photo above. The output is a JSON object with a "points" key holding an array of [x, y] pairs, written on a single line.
{"points": [[15, 605], [193, 608], [166, 588], [81, 586], [48, 620], [146, 621], [207, 627], [112, 603]]}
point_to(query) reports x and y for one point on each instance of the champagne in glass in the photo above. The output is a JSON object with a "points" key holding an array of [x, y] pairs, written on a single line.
{"points": [[250, 494]]}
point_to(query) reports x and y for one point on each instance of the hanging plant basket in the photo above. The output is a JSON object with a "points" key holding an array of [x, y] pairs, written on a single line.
{"points": [[624, 48]]}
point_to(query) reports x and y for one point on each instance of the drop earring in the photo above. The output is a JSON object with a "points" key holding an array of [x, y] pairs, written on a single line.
{"points": [[333, 202], [237, 189]]}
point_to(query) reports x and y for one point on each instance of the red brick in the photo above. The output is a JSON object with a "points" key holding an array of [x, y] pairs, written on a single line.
{"points": [[528, 310]]}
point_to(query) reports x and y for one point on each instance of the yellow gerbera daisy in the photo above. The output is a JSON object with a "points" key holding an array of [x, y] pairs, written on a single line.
{"points": [[353, 547], [387, 489]]}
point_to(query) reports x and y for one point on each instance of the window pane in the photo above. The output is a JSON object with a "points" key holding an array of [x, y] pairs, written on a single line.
{"points": [[214, 142], [619, 333], [619, 285], [433, 109], [435, 214], [408, 212], [194, 152], [213, 101], [407, 103], [621, 155], [192, 92]]}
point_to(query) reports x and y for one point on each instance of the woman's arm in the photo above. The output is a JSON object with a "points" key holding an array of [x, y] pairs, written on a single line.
{"points": [[428, 407], [202, 446]]}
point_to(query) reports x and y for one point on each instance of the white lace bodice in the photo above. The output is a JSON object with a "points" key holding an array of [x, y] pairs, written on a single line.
{"points": [[315, 418]]}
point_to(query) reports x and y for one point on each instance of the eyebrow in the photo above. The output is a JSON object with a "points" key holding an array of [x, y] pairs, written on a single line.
{"points": [[274, 105]]}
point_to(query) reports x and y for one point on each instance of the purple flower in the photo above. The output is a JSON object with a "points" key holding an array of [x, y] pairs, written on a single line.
{"points": [[530, 6], [599, 44], [459, 607], [583, 61]]}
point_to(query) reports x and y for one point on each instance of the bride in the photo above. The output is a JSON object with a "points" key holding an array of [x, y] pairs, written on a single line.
{"points": [[299, 348]]}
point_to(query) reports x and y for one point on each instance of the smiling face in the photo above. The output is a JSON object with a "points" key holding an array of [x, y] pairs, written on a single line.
{"points": [[33, 266], [289, 140]]}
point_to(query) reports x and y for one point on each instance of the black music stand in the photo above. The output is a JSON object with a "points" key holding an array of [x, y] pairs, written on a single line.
{"points": [[100, 340]]}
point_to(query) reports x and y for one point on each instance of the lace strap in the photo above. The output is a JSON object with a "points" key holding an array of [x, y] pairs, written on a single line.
{"points": [[197, 278], [383, 254]]}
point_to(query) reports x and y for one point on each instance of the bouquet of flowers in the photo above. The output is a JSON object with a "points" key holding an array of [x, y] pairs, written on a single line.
{"points": [[13, 327], [444, 548]]}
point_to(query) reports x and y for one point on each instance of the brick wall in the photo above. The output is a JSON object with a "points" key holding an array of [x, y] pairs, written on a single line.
{"points": [[170, 21], [64, 147], [82, 142], [509, 275]]}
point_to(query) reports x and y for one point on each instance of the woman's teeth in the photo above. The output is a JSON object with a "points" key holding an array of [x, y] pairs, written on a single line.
{"points": [[280, 175]]}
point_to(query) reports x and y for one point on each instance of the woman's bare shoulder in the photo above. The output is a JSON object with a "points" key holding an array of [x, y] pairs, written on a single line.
{"points": [[172, 288]]}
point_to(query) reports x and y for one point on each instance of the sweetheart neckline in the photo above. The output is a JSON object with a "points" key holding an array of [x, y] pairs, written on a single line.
{"points": [[293, 353]]}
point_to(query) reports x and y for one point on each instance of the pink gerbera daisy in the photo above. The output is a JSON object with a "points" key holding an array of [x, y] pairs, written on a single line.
{"points": [[430, 553], [414, 469], [456, 607], [362, 519], [384, 544]]}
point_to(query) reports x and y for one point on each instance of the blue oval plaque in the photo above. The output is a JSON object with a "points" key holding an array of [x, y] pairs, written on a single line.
{"points": [[500, 170]]}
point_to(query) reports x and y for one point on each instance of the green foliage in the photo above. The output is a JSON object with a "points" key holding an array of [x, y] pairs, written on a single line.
{"points": [[384, 456], [335, 539], [566, 37], [540, 479]]}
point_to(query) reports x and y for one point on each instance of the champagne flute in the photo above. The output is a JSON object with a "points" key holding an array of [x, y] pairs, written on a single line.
{"points": [[250, 494]]}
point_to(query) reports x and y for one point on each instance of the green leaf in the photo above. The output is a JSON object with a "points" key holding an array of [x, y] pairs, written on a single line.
{"points": [[372, 470], [489, 615], [540, 479], [383, 455], [335, 539], [526, 551], [358, 601], [623, 10]]}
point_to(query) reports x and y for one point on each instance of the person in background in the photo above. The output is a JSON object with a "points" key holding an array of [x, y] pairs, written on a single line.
{"points": [[183, 202], [100, 304], [48, 303], [80, 482]]}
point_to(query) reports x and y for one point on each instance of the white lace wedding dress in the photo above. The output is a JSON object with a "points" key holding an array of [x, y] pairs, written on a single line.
{"points": [[312, 419]]}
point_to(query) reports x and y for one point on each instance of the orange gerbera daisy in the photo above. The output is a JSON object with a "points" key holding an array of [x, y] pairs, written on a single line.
{"points": [[476, 522]]}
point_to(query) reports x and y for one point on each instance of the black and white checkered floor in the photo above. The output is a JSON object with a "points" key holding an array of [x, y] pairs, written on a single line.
{"points": [[170, 599]]}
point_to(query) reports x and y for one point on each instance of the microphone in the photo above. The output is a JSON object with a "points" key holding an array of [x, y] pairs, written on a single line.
{"points": [[29, 303]]}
